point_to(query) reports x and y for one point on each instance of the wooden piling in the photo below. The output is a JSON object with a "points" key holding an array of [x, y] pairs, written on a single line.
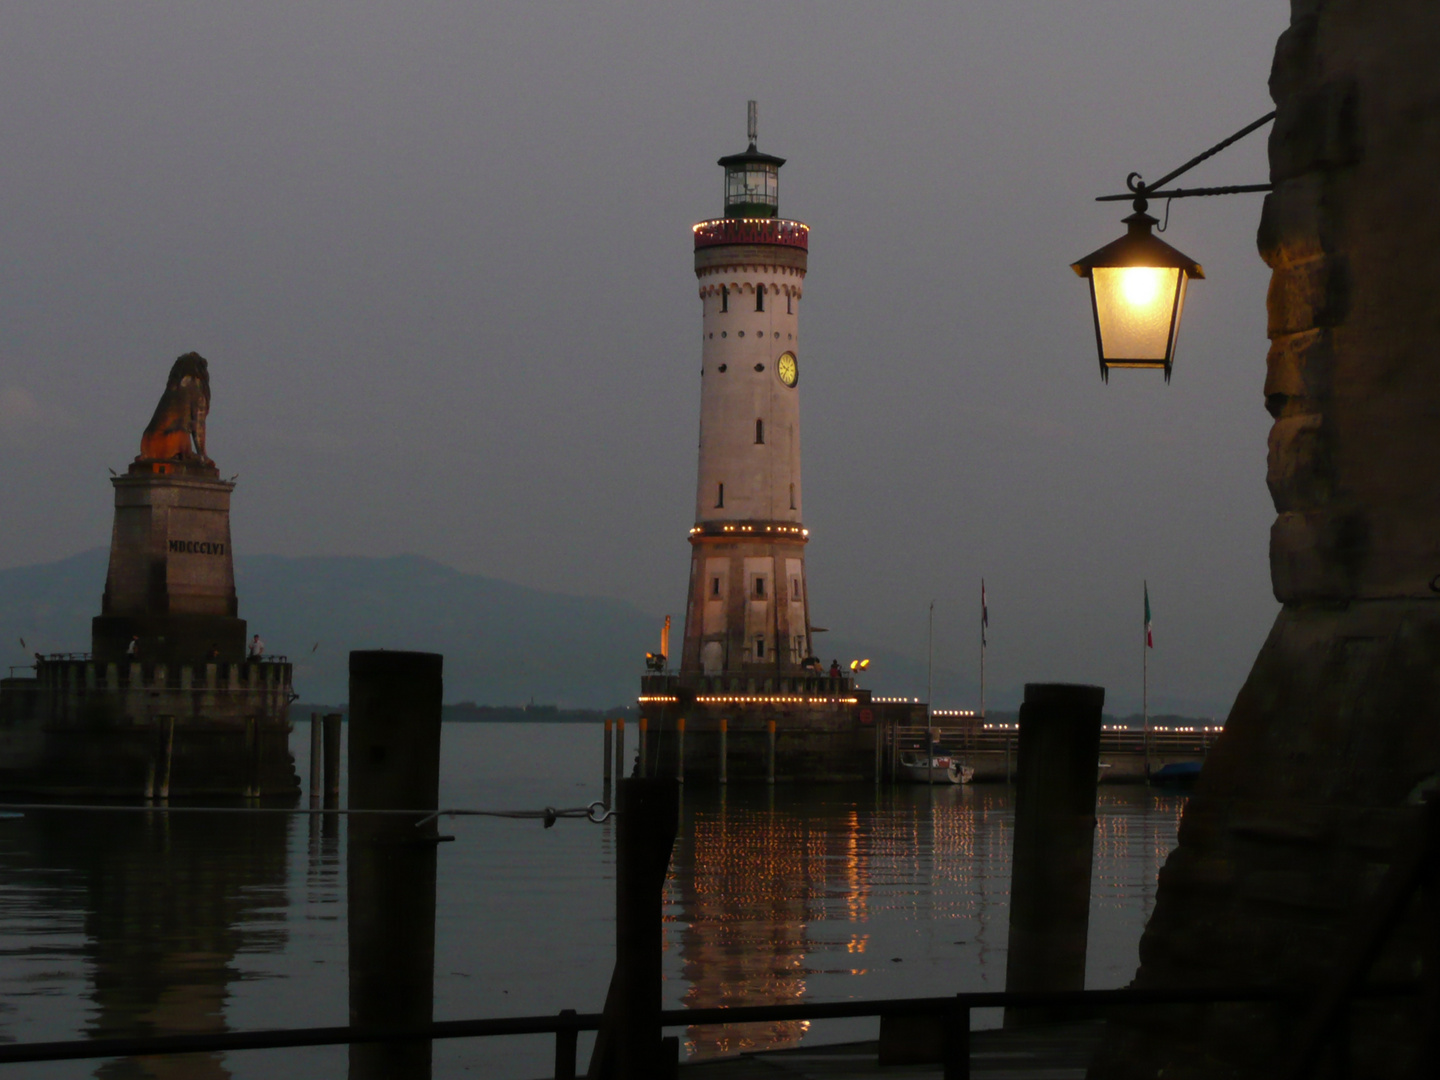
{"points": [[252, 737], [1054, 839], [619, 751], [770, 752], [724, 750], [628, 1046], [680, 750], [879, 752], [394, 764], [565, 1039], [609, 750], [317, 752], [332, 759], [169, 757]]}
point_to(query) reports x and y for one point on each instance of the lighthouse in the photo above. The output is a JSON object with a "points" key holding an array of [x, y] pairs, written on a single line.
{"points": [[750, 701], [747, 616]]}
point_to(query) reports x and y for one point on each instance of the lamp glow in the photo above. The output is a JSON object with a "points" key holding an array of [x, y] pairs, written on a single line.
{"points": [[1137, 294], [1141, 285]]}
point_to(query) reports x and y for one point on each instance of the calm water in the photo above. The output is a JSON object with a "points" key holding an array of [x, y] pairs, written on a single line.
{"points": [[132, 923]]}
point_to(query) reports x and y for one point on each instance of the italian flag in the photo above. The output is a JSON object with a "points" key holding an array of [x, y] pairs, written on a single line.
{"points": [[1149, 636]]}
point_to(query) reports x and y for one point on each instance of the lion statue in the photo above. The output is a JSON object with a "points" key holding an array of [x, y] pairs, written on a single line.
{"points": [[177, 430]]}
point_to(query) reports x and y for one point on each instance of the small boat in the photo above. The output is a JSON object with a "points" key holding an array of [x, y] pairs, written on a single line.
{"points": [[914, 768], [1177, 773]]}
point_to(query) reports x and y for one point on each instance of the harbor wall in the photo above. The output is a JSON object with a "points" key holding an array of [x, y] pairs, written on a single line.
{"points": [[82, 728]]}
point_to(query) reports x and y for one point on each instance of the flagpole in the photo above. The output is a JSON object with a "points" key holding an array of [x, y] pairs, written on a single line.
{"points": [[982, 648], [929, 693], [1145, 680]]}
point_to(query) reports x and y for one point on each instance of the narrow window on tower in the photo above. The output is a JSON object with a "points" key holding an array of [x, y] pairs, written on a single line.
{"points": [[724, 298], [719, 496], [792, 496], [759, 648], [759, 431], [759, 588], [794, 588], [714, 586], [760, 298], [788, 297]]}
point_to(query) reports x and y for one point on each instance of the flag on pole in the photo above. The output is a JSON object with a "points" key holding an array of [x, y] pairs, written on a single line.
{"points": [[1149, 637], [984, 613]]}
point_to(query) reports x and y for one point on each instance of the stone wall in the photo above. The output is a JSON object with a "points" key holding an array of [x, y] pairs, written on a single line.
{"points": [[1337, 728]]}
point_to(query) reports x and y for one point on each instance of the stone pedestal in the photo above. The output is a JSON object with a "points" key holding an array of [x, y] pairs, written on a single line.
{"points": [[172, 577]]}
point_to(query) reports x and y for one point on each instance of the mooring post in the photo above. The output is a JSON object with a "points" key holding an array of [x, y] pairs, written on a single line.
{"points": [[332, 760], [565, 1040], [605, 769], [1054, 839], [879, 758], [317, 750], [644, 740], [394, 764], [169, 757], [680, 750], [247, 763], [770, 752], [628, 1046], [724, 750], [619, 752], [956, 1050]]}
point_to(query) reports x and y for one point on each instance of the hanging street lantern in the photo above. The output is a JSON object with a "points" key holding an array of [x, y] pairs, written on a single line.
{"points": [[1137, 294], [1137, 283]]}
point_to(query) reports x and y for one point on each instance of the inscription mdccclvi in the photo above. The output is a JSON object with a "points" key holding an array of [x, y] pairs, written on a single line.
{"points": [[197, 547]]}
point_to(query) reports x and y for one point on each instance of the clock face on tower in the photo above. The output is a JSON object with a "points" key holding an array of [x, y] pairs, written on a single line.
{"points": [[788, 368]]}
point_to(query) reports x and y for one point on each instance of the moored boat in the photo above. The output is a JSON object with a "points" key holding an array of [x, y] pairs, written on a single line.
{"points": [[937, 769]]}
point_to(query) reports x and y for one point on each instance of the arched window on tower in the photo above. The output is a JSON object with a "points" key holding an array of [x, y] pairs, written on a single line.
{"points": [[759, 297], [788, 309], [724, 299], [759, 431]]}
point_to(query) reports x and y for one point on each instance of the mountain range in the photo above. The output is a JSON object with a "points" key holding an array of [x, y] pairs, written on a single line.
{"points": [[504, 644]]}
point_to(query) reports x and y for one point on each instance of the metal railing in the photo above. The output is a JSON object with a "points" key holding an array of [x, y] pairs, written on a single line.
{"points": [[952, 1012]]}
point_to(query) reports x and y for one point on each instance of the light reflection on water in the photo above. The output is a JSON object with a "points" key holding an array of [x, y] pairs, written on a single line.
{"points": [[129, 923], [833, 894]]}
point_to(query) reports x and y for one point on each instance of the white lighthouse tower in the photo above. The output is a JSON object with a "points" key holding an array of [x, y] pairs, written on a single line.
{"points": [[747, 619]]}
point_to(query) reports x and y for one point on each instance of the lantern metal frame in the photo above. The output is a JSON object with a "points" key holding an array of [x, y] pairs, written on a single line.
{"points": [[1139, 247]]}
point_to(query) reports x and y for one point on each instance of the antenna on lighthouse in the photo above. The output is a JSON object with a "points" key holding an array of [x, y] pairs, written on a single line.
{"points": [[750, 121]]}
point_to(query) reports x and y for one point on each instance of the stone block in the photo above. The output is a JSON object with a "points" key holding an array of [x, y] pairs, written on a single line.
{"points": [[1300, 468], [1292, 69], [1297, 220], [1299, 369], [1306, 295], [1316, 130], [1318, 555]]}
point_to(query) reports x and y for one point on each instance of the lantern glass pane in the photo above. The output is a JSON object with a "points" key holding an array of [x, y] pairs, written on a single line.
{"points": [[1133, 306]]}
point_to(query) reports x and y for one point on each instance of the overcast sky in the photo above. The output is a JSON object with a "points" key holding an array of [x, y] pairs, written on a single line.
{"points": [[438, 256]]}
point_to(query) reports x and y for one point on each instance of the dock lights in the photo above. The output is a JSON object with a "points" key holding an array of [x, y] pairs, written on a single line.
{"points": [[1137, 283]]}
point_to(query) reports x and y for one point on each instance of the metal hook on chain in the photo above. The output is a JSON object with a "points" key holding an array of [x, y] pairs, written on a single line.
{"points": [[603, 811]]}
